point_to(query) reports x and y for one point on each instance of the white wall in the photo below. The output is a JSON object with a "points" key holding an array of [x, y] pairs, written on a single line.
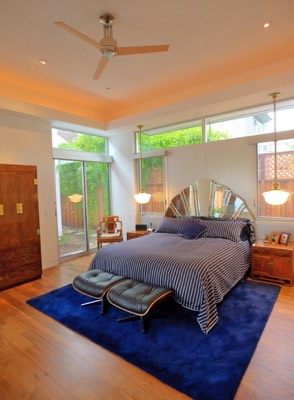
{"points": [[122, 180], [27, 141]]}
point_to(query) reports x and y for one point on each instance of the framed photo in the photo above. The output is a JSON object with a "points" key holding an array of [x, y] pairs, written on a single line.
{"points": [[284, 239], [274, 238], [266, 238]]}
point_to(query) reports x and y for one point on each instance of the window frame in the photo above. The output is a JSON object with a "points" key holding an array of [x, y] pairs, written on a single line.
{"points": [[151, 154], [282, 136]]}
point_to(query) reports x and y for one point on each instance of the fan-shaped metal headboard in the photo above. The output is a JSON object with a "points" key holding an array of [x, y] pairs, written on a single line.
{"points": [[211, 199]]}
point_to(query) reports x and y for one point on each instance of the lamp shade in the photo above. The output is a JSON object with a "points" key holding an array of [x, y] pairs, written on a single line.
{"points": [[276, 197], [75, 198], [142, 197]]}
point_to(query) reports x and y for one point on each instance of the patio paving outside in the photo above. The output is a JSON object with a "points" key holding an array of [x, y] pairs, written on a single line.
{"points": [[73, 241]]}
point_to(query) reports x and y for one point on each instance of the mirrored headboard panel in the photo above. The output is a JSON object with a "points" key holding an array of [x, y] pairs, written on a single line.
{"points": [[208, 198]]}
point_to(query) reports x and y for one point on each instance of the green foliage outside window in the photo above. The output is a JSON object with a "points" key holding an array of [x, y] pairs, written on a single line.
{"points": [[179, 138], [83, 142], [96, 174], [167, 140]]}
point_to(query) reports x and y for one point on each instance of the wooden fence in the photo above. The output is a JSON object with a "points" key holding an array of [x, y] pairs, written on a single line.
{"points": [[73, 214], [285, 176]]}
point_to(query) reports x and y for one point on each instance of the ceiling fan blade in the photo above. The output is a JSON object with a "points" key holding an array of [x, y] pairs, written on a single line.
{"points": [[102, 64], [125, 51], [79, 34]]}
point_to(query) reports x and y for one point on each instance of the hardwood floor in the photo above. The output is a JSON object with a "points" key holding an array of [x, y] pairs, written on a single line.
{"points": [[42, 360]]}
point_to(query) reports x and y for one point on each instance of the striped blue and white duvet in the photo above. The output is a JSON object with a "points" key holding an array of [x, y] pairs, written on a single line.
{"points": [[199, 271]]}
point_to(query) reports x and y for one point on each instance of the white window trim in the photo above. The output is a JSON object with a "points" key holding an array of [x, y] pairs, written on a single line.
{"points": [[151, 153], [269, 137], [77, 155]]}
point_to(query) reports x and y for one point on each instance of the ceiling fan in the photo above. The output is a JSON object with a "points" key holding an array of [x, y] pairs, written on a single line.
{"points": [[108, 45]]}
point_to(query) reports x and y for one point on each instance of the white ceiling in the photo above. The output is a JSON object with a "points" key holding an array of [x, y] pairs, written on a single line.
{"points": [[220, 58]]}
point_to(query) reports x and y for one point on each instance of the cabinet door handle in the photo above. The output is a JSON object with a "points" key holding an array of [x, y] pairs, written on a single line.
{"points": [[1, 209], [19, 209]]}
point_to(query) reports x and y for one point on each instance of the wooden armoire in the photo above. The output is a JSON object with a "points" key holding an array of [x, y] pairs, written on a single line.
{"points": [[20, 250]]}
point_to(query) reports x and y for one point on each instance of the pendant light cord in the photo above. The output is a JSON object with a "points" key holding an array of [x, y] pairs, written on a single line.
{"points": [[141, 157], [274, 96], [275, 136]]}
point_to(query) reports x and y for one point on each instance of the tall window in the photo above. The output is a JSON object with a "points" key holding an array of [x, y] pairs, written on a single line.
{"points": [[153, 182], [82, 200], [82, 189], [285, 176]]}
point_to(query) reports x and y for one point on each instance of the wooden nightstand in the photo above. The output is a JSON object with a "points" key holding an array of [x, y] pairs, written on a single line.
{"points": [[273, 263], [136, 234]]}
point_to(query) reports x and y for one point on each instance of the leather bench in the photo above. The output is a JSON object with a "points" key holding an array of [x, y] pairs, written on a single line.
{"points": [[137, 298], [96, 283]]}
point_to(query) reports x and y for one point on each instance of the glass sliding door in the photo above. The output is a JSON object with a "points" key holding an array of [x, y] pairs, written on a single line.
{"points": [[97, 199], [82, 199], [70, 207]]}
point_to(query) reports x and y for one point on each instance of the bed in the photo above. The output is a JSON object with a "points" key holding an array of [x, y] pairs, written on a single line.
{"points": [[200, 259]]}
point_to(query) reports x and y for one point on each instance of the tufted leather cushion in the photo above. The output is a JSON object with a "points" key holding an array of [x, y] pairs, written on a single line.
{"points": [[95, 282], [136, 297]]}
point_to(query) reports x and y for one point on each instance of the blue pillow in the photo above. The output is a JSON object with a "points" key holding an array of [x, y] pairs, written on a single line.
{"points": [[193, 230]]}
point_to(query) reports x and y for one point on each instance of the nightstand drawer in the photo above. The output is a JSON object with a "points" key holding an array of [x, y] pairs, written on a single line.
{"points": [[261, 251], [281, 253]]}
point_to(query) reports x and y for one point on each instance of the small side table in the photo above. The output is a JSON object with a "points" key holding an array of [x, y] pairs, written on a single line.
{"points": [[136, 234], [273, 263]]}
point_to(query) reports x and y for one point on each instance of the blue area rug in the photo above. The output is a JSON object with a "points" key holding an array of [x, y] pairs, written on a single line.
{"points": [[175, 350]]}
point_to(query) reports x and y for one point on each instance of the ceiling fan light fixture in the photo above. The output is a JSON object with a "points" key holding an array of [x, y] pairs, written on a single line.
{"points": [[108, 52]]}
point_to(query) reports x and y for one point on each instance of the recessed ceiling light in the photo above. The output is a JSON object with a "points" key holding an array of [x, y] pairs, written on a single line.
{"points": [[266, 24]]}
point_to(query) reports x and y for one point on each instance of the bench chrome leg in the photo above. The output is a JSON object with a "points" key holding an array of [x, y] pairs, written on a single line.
{"points": [[135, 317], [91, 302], [102, 301]]}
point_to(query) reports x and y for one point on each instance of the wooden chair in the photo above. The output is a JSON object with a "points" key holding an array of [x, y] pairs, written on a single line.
{"points": [[109, 231]]}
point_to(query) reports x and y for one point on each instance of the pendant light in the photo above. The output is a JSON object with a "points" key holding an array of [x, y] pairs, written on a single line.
{"points": [[142, 197], [275, 196]]}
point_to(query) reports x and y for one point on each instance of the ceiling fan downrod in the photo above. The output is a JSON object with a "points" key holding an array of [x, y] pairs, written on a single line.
{"points": [[108, 43]]}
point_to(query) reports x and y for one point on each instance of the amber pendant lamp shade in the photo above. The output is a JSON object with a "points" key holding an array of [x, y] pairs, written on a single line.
{"points": [[142, 197], [275, 196]]}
